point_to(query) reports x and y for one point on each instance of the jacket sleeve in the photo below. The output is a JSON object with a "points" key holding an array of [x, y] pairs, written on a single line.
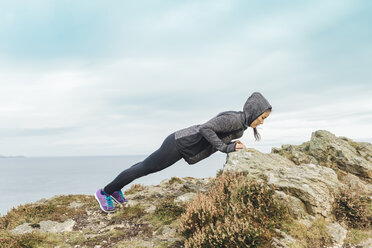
{"points": [[223, 123]]}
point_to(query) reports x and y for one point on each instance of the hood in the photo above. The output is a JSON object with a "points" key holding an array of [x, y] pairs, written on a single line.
{"points": [[255, 105]]}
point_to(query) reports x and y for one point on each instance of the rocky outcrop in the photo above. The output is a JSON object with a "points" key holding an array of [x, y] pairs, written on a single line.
{"points": [[149, 219], [306, 178], [310, 175], [314, 186], [325, 149]]}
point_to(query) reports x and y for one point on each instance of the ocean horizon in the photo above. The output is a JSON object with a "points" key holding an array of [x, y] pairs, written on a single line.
{"points": [[29, 179]]}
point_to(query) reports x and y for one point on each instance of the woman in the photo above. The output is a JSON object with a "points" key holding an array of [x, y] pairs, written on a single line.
{"points": [[193, 144]]}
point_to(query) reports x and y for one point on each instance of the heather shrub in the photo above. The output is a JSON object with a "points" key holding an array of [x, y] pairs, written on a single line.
{"points": [[236, 212], [353, 209]]}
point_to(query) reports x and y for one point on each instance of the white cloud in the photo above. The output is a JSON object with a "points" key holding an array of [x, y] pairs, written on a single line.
{"points": [[128, 103]]}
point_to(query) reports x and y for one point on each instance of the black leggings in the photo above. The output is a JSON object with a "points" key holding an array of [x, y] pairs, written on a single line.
{"points": [[162, 158]]}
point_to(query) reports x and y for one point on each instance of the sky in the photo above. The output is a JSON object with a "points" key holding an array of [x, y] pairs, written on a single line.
{"points": [[87, 78]]}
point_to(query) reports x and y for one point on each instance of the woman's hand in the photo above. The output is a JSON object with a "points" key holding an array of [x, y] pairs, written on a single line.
{"points": [[239, 145]]}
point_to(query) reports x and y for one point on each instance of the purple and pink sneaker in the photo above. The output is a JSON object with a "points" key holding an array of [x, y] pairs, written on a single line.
{"points": [[105, 201], [119, 197]]}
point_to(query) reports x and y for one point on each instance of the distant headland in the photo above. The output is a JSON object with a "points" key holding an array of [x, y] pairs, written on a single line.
{"points": [[17, 156]]}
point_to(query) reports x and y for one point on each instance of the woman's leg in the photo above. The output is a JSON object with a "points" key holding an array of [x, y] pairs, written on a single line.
{"points": [[162, 158]]}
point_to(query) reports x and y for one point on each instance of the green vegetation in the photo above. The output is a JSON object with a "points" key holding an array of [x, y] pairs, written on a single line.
{"points": [[315, 236], [56, 209], [167, 211], [355, 236], [235, 212], [219, 172], [129, 213], [27, 240]]}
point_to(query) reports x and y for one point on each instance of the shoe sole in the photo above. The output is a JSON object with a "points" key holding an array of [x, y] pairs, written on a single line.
{"points": [[118, 201], [99, 203]]}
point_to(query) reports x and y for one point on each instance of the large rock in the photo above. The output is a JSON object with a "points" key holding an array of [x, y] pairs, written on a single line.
{"points": [[325, 149], [256, 163], [308, 177], [314, 186]]}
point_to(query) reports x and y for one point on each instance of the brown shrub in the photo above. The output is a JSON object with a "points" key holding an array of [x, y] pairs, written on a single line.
{"points": [[353, 209], [236, 212]]}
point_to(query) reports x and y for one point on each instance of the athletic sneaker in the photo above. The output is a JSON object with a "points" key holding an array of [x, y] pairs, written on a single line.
{"points": [[119, 197], [105, 201]]}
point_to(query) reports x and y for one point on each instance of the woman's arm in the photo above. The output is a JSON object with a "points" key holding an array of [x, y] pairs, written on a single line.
{"points": [[222, 123]]}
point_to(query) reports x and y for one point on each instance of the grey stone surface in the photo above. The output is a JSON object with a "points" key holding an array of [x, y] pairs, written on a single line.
{"points": [[314, 186], [45, 226]]}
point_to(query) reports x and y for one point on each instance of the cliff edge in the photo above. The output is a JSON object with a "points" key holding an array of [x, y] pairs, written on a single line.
{"points": [[324, 184]]}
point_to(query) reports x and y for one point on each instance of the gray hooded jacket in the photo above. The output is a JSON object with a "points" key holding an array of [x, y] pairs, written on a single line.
{"points": [[199, 141]]}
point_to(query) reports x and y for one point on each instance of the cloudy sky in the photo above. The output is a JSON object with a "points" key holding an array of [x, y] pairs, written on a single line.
{"points": [[115, 78]]}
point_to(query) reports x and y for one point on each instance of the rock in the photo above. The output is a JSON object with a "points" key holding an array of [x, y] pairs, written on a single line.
{"points": [[297, 154], [45, 226], [308, 221], [185, 198], [314, 186], [150, 209], [325, 149], [355, 184], [366, 243], [283, 242], [276, 243], [75, 205], [297, 207], [255, 161], [168, 232], [338, 233], [24, 228], [41, 201], [306, 178]]}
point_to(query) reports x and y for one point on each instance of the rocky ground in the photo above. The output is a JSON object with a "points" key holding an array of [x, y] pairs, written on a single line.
{"points": [[149, 219], [310, 175], [307, 177]]}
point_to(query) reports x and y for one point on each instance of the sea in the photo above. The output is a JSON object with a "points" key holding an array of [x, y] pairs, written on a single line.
{"points": [[29, 179]]}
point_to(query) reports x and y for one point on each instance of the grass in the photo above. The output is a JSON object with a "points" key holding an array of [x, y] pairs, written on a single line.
{"points": [[174, 180], [29, 240], [166, 212], [134, 189], [55, 209], [134, 212], [315, 236], [356, 236]]}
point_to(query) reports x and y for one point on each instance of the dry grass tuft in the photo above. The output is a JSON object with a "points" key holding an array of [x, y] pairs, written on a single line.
{"points": [[134, 189]]}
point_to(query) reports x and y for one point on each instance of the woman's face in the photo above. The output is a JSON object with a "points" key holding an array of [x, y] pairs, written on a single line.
{"points": [[260, 119]]}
